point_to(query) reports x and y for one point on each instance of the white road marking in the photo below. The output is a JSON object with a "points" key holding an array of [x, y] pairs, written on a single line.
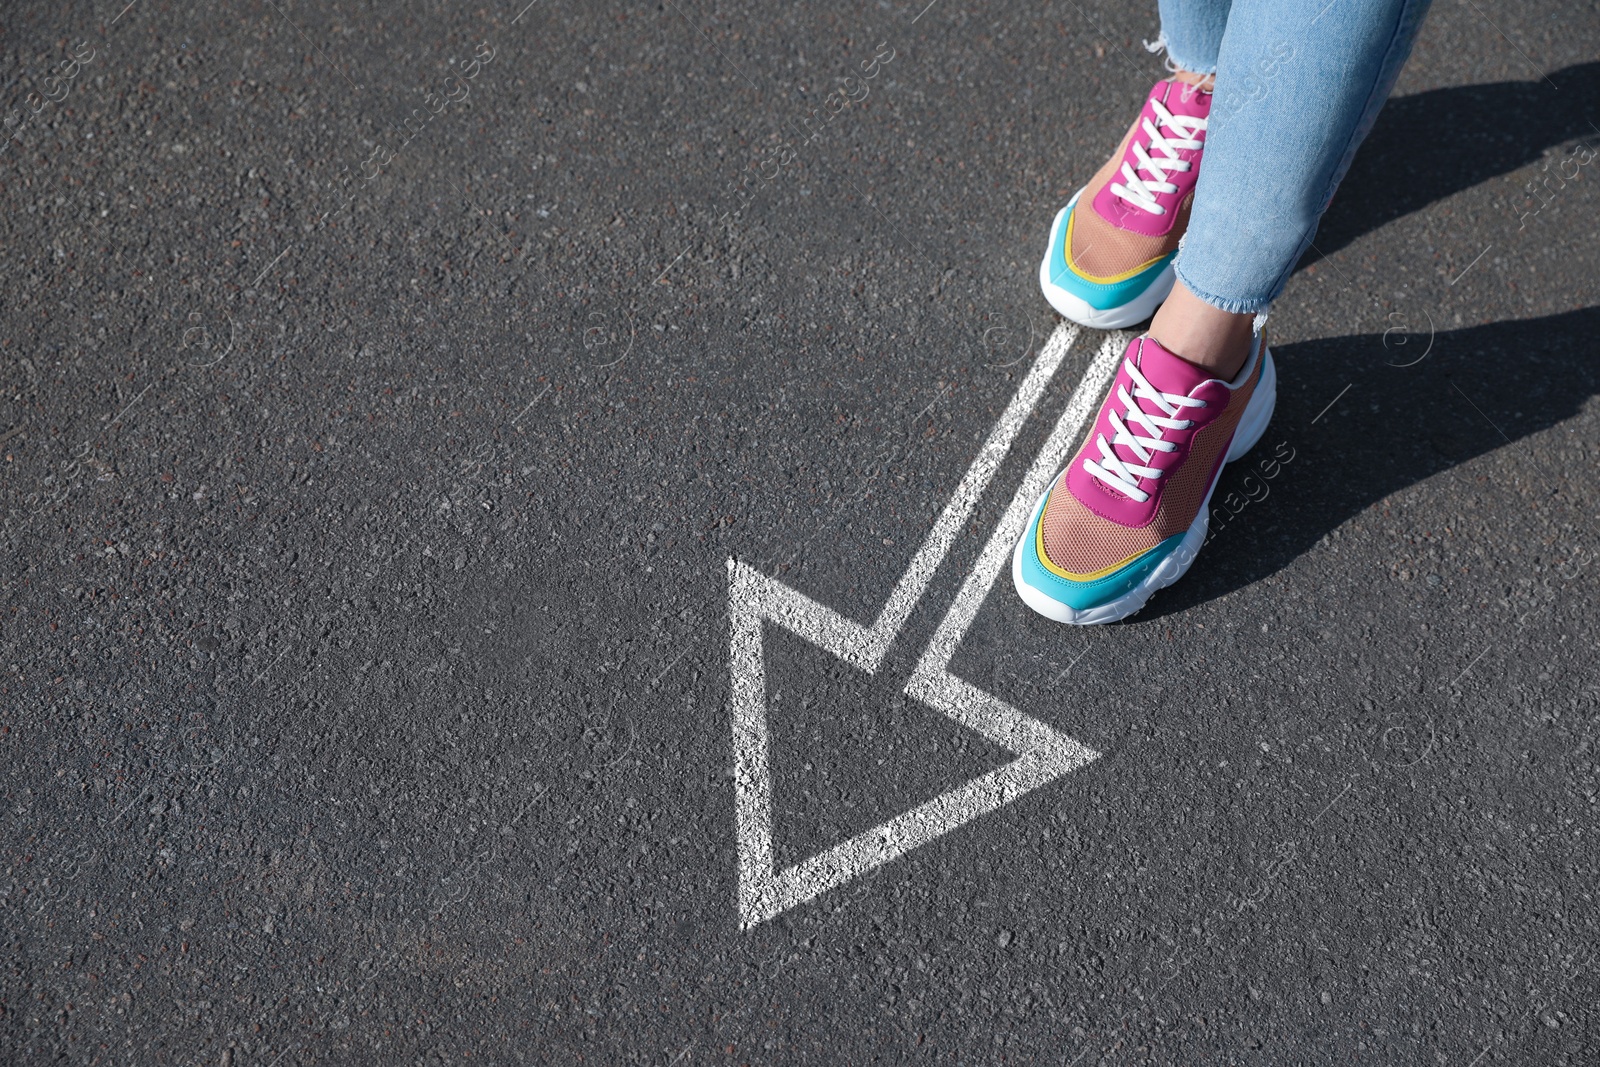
{"points": [[931, 682], [1044, 753], [950, 522]]}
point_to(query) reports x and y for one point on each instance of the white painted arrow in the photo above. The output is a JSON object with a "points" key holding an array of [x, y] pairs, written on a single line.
{"points": [[1043, 753]]}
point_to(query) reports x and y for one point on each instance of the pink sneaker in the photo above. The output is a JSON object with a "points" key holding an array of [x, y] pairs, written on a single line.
{"points": [[1109, 263], [1130, 511]]}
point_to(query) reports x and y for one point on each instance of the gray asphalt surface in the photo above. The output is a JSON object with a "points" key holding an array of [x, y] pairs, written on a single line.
{"points": [[366, 674]]}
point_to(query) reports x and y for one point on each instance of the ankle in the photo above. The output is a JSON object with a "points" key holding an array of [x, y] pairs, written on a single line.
{"points": [[1204, 82], [1216, 340]]}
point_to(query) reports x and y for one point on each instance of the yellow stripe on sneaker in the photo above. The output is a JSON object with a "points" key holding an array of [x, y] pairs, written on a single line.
{"points": [[1092, 576], [1110, 279]]}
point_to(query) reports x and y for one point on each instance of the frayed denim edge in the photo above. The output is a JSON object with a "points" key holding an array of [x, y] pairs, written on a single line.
{"points": [[1259, 308], [1160, 47]]}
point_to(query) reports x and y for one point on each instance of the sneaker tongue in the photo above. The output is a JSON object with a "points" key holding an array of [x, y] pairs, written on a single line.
{"points": [[1165, 371], [1182, 99]]}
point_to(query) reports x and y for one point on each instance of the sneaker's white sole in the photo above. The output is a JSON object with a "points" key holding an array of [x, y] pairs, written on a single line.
{"points": [[1078, 310], [1252, 424]]}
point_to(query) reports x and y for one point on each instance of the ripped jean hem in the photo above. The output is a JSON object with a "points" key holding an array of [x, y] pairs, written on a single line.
{"points": [[1175, 62], [1259, 307]]}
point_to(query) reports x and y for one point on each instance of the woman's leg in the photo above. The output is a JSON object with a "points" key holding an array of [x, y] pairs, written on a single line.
{"points": [[1298, 87], [1191, 34]]}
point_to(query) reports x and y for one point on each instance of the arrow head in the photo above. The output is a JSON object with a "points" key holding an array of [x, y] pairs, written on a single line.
{"points": [[1043, 753]]}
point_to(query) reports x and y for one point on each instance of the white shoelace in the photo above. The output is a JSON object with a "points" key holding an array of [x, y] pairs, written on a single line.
{"points": [[1141, 193], [1124, 477]]}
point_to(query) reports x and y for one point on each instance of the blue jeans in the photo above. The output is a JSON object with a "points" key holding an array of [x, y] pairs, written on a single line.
{"points": [[1299, 83]]}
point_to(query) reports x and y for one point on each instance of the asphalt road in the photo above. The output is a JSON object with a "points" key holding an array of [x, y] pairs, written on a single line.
{"points": [[387, 389]]}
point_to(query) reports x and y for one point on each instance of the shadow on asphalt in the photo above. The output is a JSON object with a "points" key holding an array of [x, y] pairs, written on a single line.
{"points": [[1477, 390], [1428, 146]]}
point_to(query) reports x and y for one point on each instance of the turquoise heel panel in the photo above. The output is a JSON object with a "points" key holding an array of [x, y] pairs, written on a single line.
{"points": [[1082, 595], [1099, 296]]}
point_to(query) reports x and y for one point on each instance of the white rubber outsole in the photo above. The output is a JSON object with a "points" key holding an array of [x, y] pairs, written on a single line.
{"points": [[1077, 310], [1252, 424]]}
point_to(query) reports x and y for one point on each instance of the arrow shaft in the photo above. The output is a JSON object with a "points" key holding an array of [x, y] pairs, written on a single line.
{"points": [[932, 682], [956, 513]]}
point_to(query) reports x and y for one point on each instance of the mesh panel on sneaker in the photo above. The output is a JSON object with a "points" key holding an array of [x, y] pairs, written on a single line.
{"points": [[1080, 542], [1102, 250]]}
